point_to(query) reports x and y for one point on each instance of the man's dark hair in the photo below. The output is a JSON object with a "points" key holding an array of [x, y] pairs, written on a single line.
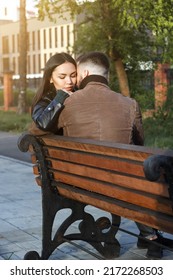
{"points": [[96, 62], [97, 58]]}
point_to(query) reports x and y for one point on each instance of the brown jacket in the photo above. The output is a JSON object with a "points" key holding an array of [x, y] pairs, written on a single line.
{"points": [[99, 113]]}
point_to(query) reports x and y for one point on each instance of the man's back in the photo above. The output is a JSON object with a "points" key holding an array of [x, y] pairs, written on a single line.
{"points": [[99, 113]]}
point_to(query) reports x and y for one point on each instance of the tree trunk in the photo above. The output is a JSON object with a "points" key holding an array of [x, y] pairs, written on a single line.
{"points": [[122, 77], [22, 58]]}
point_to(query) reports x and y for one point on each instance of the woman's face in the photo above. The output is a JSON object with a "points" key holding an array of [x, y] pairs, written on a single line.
{"points": [[64, 76]]}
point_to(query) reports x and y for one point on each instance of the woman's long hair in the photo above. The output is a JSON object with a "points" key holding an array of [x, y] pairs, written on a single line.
{"points": [[45, 87]]}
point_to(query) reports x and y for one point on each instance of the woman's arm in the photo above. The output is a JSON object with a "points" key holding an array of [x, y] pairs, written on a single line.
{"points": [[46, 112]]}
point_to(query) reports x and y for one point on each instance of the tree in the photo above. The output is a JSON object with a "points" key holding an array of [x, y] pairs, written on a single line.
{"points": [[22, 58], [156, 17], [128, 31]]}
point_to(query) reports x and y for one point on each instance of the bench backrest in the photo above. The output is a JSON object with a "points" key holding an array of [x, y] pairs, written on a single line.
{"points": [[106, 175]]}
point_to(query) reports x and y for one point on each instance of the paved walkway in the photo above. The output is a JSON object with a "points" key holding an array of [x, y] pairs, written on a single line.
{"points": [[20, 220]]}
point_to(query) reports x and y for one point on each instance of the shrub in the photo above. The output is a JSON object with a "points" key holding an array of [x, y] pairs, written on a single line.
{"points": [[29, 96], [12, 122]]}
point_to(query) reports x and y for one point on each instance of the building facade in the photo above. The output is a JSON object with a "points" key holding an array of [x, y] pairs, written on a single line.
{"points": [[44, 38]]}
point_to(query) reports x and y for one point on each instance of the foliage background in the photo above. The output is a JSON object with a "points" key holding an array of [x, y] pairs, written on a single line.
{"points": [[158, 129], [122, 29]]}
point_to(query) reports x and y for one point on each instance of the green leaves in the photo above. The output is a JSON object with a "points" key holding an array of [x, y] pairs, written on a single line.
{"points": [[129, 30], [116, 21]]}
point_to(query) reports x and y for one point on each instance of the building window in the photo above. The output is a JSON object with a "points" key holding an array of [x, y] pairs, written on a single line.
{"points": [[44, 36], [33, 40], [17, 42], [39, 63], [34, 64], [38, 37], [13, 43], [5, 45], [5, 11], [14, 65], [50, 38], [56, 37], [75, 32], [29, 65], [45, 59], [6, 64], [68, 35], [28, 41], [62, 36], [18, 64]]}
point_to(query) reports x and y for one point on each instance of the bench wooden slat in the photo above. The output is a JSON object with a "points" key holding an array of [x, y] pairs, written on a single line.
{"points": [[137, 198], [36, 170], [158, 188], [103, 161], [119, 208], [33, 158], [133, 152], [38, 181], [120, 179], [116, 191], [74, 173]]}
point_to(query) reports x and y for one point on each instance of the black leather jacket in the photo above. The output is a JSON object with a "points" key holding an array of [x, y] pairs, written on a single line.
{"points": [[46, 112]]}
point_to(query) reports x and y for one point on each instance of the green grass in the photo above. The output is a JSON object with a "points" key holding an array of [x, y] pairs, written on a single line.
{"points": [[29, 97], [12, 122], [158, 129]]}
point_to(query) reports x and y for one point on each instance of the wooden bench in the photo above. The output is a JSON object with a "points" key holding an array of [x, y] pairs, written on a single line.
{"points": [[74, 173]]}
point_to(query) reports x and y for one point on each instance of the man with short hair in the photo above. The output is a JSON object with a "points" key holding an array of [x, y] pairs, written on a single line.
{"points": [[97, 112]]}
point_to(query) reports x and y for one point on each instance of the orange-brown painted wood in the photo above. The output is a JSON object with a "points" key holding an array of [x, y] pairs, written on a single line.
{"points": [[109, 176]]}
